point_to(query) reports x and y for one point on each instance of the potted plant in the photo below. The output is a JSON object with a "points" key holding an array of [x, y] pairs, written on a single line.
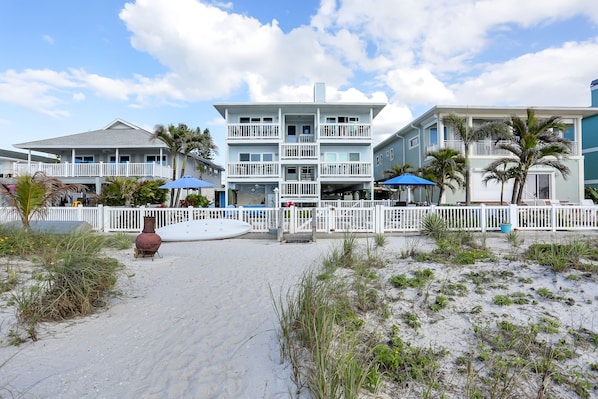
{"points": [[505, 226]]}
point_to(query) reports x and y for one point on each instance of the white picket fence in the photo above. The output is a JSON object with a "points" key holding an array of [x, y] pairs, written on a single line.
{"points": [[376, 219]]}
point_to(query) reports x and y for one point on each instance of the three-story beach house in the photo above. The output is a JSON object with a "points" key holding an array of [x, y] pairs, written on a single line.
{"points": [[121, 149], [427, 133], [299, 153]]}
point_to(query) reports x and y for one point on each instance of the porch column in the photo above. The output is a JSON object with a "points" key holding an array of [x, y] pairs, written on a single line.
{"points": [[73, 153]]}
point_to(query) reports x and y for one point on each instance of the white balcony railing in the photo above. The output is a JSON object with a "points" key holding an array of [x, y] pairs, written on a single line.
{"points": [[100, 169], [245, 131], [346, 169], [345, 131], [486, 148], [253, 169], [300, 189], [299, 151]]}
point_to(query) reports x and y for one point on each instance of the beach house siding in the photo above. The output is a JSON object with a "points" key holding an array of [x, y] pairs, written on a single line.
{"points": [[428, 133], [301, 153], [590, 141], [120, 149]]}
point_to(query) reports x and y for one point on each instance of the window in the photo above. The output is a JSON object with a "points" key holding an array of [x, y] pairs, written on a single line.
{"points": [[84, 159], [433, 136], [330, 156], [255, 119], [348, 119], [306, 129], [538, 186], [121, 158], [414, 142], [256, 157], [342, 156], [155, 158], [392, 154]]}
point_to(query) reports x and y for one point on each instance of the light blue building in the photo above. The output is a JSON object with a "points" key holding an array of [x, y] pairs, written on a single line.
{"points": [[428, 133], [301, 153]]}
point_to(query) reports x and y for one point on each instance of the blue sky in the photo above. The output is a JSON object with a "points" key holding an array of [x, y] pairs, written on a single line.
{"points": [[71, 66]]}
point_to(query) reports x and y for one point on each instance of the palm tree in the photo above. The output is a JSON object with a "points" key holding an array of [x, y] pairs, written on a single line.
{"points": [[534, 142], [182, 140], [469, 135], [446, 168], [398, 170], [173, 139], [501, 173], [34, 194]]}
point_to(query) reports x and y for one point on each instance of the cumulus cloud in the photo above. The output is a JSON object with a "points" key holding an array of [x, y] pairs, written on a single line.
{"points": [[551, 77], [409, 53]]}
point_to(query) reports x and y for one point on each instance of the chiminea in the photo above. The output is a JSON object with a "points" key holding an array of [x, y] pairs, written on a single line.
{"points": [[148, 242]]}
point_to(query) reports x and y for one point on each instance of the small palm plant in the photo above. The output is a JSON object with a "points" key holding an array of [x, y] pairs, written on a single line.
{"points": [[33, 194]]}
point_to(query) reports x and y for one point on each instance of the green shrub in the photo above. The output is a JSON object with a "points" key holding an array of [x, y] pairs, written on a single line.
{"points": [[434, 226]]}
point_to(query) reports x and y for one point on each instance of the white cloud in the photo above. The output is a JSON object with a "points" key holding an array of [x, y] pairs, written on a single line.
{"points": [[552, 77], [408, 52], [48, 39]]}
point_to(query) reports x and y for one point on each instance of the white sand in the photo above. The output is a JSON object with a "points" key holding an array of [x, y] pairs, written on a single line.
{"points": [[197, 323]]}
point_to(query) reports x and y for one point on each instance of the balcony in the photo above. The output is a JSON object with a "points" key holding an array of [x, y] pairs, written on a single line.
{"points": [[253, 169], [302, 151], [300, 189], [346, 169], [96, 169], [486, 148], [253, 131], [345, 131]]}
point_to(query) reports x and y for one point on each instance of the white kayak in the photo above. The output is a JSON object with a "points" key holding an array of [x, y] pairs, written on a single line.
{"points": [[203, 229]]}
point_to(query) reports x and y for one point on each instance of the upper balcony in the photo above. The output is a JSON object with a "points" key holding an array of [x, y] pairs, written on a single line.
{"points": [[300, 151], [345, 131], [485, 148], [253, 169], [253, 131], [95, 169], [346, 169]]}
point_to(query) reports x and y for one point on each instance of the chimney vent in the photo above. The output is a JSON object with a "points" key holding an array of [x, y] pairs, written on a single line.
{"points": [[320, 93]]}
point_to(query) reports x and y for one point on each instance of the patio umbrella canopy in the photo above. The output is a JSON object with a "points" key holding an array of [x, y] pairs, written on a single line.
{"points": [[187, 182], [408, 180]]}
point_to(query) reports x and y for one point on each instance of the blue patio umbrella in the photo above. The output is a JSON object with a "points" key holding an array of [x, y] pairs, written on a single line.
{"points": [[409, 180], [187, 182]]}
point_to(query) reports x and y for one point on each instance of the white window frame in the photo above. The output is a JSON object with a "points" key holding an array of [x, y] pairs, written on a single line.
{"points": [[123, 158], [156, 158], [255, 157], [414, 142], [84, 159]]}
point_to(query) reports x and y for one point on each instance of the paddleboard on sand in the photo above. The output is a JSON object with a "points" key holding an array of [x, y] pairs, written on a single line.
{"points": [[203, 229]]}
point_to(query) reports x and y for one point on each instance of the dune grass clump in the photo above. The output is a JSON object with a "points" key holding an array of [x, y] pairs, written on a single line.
{"points": [[575, 254], [70, 277], [320, 324]]}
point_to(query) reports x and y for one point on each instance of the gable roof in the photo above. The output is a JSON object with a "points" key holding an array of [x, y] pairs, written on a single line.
{"points": [[117, 134]]}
